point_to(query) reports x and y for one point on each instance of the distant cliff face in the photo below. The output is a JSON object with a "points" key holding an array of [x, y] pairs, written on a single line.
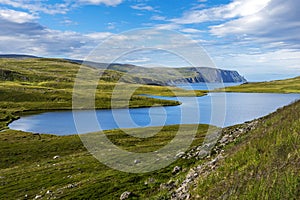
{"points": [[208, 75]]}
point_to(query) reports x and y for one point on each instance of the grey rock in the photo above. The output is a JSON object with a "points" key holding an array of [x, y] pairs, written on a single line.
{"points": [[49, 192], [179, 155], [56, 157], [125, 195], [38, 196], [176, 170], [202, 153], [136, 161]]}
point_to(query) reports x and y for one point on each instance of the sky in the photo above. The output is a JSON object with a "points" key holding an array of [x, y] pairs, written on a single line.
{"points": [[258, 38]]}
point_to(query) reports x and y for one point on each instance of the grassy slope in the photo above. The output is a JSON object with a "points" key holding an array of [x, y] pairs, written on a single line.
{"points": [[280, 86], [47, 84], [27, 166], [265, 164]]}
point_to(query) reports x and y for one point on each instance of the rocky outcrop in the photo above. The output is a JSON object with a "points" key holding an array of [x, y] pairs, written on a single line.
{"points": [[212, 159]]}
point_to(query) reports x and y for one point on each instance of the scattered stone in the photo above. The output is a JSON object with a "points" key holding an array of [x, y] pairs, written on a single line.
{"points": [[56, 157], [213, 152], [176, 170], [38, 196], [70, 186], [202, 153], [137, 161], [224, 139], [125, 195], [49, 192], [179, 155], [169, 186]]}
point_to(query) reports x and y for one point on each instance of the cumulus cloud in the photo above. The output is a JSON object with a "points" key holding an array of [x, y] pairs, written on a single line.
{"points": [[278, 22], [16, 16], [234, 9], [35, 6], [29, 37]]}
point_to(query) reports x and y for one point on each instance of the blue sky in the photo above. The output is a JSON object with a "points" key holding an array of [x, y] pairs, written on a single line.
{"points": [[259, 38]]}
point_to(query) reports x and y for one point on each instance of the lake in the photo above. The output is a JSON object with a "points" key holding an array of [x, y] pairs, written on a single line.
{"points": [[220, 109], [206, 86]]}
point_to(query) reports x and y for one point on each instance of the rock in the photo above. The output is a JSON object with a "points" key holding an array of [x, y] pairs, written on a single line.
{"points": [[136, 161], [70, 186], [224, 139], [176, 170], [38, 196], [49, 192], [179, 155], [56, 157], [202, 153], [125, 195]]}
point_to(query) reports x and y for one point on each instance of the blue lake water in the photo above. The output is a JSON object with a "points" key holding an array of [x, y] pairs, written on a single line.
{"points": [[206, 86], [220, 109]]}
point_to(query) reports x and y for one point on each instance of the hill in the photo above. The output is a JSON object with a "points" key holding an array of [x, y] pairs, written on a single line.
{"points": [[170, 76], [159, 75], [291, 85], [17, 56]]}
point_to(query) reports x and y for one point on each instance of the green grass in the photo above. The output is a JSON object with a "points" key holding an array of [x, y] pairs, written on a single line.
{"points": [[265, 164], [279, 86], [27, 165]]}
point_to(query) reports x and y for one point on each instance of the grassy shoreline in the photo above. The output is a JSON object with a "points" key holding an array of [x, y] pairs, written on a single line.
{"points": [[30, 162], [47, 85]]}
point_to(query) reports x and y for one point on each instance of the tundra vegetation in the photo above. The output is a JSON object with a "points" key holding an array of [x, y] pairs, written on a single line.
{"points": [[261, 162]]}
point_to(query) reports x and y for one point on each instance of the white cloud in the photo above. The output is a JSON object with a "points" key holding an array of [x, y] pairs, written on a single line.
{"points": [[35, 6], [278, 23], [98, 2], [237, 8], [158, 18], [191, 30], [32, 38], [278, 61], [99, 35], [143, 7], [16, 16], [39, 6]]}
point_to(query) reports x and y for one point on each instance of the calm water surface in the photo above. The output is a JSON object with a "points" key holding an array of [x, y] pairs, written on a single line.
{"points": [[220, 109], [206, 86]]}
